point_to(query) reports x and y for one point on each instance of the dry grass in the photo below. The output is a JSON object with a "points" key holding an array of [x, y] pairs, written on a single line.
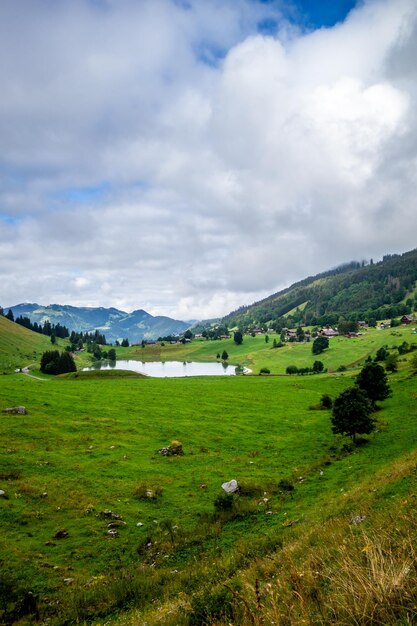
{"points": [[355, 569], [337, 574]]}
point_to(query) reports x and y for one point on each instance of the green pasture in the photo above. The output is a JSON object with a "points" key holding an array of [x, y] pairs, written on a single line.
{"points": [[90, 445], [255, 353]]}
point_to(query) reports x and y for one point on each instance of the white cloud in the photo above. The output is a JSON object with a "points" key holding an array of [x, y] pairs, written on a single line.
{"points": [[142, 170]]}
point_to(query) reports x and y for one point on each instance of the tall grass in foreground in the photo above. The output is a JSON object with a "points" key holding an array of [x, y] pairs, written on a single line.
{"points": [[351, 570], [344, 576]]}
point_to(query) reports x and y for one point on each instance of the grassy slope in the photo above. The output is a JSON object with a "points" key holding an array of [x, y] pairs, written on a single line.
{"points": [[20, 347], [89, 444]]}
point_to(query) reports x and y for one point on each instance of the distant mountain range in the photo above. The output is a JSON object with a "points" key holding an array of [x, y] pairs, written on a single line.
{"points": [[114, 324]]}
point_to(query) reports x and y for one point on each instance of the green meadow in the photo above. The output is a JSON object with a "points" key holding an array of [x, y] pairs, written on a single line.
{"points": [[100, 527], [255, 353]]}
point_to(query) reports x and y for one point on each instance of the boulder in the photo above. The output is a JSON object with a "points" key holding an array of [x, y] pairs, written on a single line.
{"points": [[231, 486]]}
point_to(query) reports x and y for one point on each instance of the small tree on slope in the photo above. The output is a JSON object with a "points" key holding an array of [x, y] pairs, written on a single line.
{"points": [[372, 380], [352, 414]]}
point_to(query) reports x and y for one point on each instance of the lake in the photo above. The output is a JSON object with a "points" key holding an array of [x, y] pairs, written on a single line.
{"points": [[167, 369]]}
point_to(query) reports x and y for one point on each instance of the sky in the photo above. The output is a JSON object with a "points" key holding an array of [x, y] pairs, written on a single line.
{"points": [[188, 157]]}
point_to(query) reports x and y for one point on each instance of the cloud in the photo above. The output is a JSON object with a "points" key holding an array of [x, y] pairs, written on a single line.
{"points": [[169, 156]]}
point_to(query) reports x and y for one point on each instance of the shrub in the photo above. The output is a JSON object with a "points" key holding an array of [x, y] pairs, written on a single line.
{"points": [[264, 370], [238, 337], [381, 354], [326, 401], [292, 369], [391, 363], [320, 344]]}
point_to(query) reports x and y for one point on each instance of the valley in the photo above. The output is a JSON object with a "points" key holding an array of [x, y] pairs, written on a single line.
{"points": [[97, 521]]}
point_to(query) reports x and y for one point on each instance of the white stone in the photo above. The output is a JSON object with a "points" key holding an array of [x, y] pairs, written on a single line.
{"points": [[230, 487]]}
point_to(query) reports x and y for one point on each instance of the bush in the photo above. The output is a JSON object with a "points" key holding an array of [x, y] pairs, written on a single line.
{"points": [[264, 370], [326, 401], [238, 337], [318, 367], [292, 369], [320, 344], [381, 354], [391, 363]]}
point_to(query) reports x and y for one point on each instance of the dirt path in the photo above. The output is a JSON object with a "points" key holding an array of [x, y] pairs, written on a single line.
{"points": [[35, 377], [25, 372]]}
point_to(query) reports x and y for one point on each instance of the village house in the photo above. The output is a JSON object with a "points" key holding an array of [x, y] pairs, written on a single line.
{"points": [[328, 332]]}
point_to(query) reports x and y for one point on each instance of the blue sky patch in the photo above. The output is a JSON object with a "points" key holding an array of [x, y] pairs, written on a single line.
{"points": [[7, 219], [84, 195], [309, 13], [268, 26], [319, 13]]}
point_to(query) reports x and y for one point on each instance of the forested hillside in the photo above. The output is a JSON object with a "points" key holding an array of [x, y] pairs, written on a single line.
{"points": [[357, 291]]}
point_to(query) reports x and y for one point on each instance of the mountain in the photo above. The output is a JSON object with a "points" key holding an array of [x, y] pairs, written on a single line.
{"points": [[113, 323], [355, 291]]}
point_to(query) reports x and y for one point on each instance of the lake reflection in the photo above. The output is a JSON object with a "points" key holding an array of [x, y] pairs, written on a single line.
{"points": [[167, 369]]}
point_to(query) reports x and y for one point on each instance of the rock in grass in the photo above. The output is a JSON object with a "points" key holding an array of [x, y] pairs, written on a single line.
{"points": [[175, 449], [231, 486], [16, 410], [61, 534], [116, 524], [2, 494], [109, 514]]}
